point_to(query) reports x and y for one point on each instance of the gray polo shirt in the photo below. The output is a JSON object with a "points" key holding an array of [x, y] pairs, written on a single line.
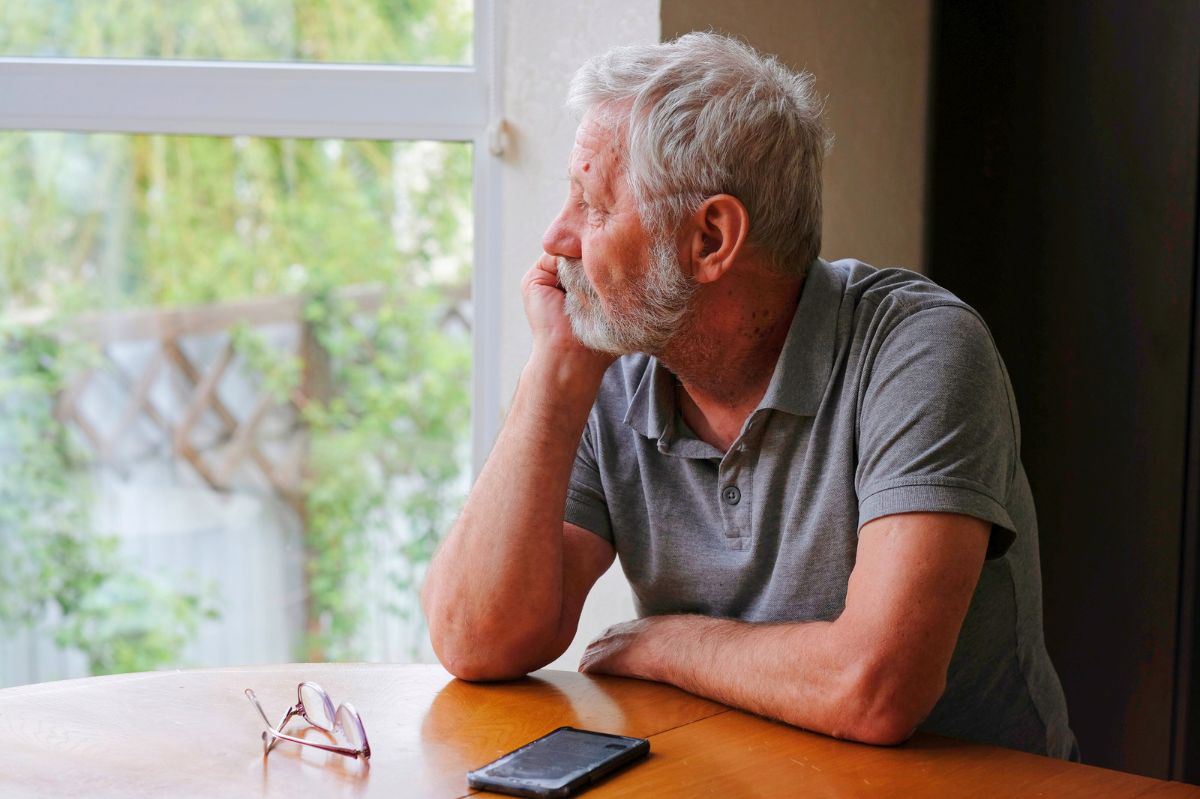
{"points": [[889, 397]]}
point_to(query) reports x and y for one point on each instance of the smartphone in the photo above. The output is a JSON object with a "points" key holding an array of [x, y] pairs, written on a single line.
{"points": [[560, 763]]}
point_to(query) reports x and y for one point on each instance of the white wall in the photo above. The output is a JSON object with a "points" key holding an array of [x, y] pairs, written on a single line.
{"points": [[544, 43]]}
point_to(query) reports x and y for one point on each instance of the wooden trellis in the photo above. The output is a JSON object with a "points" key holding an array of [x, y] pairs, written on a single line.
{"points": [[233, 433], [218, 460]]}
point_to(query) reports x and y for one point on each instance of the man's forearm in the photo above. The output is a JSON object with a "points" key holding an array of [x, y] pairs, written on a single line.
{"points": [[809, 674], [872, 675], [494, 591]]}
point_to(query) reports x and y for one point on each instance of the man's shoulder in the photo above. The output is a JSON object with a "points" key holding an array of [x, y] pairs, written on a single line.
{"points": [[879, 299], [889, 287]]}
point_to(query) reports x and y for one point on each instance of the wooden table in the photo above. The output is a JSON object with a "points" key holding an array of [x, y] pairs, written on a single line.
{"points": [[193, 733]]}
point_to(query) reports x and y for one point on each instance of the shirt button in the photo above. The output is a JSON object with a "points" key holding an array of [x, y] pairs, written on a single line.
{"points": [[732, 495]]}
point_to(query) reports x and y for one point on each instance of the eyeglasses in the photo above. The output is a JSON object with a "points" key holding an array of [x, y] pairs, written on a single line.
{"points": [[314, 706]]}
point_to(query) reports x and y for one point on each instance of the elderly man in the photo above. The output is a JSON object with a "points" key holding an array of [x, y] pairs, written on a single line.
{"points": [[810, 470]]}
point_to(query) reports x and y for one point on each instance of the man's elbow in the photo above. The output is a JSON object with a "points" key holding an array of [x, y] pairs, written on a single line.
{"points": [[468, 655], [888, 707], [472, 668], [485, 652], [888, 727]]}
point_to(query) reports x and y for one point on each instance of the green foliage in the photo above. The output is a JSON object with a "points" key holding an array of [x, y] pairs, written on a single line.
{"points": [[102, 222], [280, 373], [48, 554], [363, 31], [387, 448], [203, 219], [120, 618], [133, 621]]}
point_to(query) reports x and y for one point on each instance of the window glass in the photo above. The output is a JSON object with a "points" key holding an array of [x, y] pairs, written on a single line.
{"points": [[234, 396], [345, 31]]}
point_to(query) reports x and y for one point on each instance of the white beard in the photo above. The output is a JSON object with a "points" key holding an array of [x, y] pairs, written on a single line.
{"points": [[653, 314]]}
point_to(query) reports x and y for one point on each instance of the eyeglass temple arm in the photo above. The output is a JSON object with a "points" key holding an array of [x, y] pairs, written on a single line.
{"points": [[276, 727], [341, 750]]}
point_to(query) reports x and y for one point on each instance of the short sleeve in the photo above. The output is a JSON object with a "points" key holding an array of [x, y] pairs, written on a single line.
{"points": [[937, 426], [586, 505]]}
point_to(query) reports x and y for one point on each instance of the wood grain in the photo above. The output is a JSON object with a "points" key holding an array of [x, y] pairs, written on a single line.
{"points": [[735, 754], [192, 733]]}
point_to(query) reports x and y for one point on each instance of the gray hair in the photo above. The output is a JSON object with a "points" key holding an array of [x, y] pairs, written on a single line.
{"points": [[705, 114]]}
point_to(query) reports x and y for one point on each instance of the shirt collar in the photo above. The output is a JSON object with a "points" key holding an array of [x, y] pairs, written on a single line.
{"points": [[801, 373], [652, 407]]}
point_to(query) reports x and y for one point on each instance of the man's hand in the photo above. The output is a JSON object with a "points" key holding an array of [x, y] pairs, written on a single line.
{"points": [[544, 303], [545, 308], [624, 649]]}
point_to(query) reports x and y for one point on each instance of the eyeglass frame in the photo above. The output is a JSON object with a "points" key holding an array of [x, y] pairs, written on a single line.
{"points": [[274, 734]]}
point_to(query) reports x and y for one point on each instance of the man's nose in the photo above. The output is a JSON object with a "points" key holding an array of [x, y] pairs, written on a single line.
{"points": [[560, 239]]}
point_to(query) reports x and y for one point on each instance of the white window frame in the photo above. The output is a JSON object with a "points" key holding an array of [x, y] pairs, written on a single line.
{"points": [[301, 100]]}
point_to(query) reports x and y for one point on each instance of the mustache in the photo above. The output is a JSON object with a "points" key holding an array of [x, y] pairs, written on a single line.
{"points": [[573, 279]]}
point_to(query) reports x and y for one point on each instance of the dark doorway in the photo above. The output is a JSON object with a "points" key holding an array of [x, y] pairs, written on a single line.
{"points": [[1063, 205]]}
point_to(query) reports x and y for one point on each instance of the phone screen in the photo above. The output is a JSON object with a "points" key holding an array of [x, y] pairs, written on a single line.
{"points": [[558, 764]]}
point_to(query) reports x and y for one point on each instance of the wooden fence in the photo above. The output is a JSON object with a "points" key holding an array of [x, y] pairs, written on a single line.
{"points": [[203, 472]]}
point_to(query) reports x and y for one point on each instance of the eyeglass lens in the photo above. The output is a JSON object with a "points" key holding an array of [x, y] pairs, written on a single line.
{"points": [[318, 709], [351, 725]]}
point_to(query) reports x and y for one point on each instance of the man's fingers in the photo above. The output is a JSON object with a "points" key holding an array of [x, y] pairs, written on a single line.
{"points": [[592, 658], [544, 272], [547, 264]]}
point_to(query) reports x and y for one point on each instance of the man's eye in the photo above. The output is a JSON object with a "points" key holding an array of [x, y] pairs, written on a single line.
{"points": [[594, 215]]}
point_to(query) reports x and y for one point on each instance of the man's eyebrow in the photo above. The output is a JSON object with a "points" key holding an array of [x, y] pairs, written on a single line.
{"points": [[595, 193], [576, 183]]}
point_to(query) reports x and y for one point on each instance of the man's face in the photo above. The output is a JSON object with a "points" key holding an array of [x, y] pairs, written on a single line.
{"points": [[625, 290]]}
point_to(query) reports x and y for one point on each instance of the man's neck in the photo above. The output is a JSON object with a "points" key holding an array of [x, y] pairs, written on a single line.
{"points": [[725, 359]]}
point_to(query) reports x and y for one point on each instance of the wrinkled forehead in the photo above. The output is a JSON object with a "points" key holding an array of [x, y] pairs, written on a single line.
{"points": [[599, 149]]}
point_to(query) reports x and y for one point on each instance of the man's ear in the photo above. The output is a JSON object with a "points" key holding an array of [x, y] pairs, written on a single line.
{"points": [[717, 236]]}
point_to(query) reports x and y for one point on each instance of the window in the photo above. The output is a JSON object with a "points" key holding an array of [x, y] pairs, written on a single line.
{"points": [[412, 32], [246, 313]]}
